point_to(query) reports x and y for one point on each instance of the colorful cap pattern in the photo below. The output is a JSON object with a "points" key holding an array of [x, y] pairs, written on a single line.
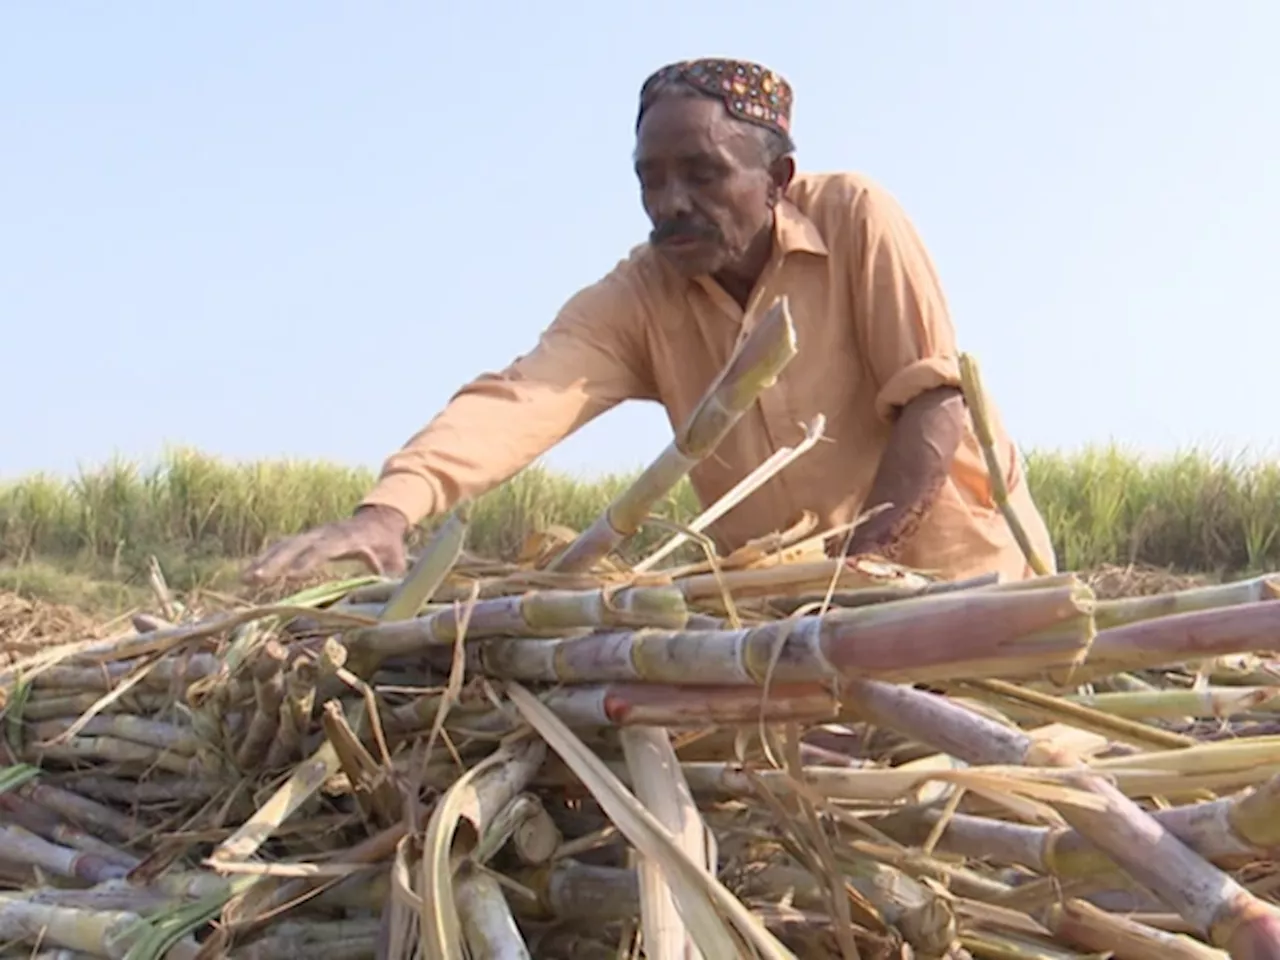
{"points": [[750, 91]]}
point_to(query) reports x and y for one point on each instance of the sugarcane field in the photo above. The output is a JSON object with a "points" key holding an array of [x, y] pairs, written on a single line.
{"points": [[770, 753]]}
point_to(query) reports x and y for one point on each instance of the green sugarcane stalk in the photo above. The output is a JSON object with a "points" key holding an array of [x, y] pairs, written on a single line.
{"points": [[97, 933], [976, 400], [754, 367], [1126, 610], [1176, 704]]}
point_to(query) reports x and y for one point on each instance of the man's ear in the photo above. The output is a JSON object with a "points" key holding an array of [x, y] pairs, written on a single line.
{"points": [[782, 172]]}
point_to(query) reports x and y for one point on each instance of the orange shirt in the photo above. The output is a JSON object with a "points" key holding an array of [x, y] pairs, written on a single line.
{"points": [[873, 332]]}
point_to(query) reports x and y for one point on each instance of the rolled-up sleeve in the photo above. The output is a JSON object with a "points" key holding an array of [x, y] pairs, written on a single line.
{"points": [[903, 323], [591, 358]]}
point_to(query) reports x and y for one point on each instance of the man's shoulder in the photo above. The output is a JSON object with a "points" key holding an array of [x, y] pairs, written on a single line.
{"points": [[825, 197]]}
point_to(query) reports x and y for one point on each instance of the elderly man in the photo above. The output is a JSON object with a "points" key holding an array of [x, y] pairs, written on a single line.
{"points": [[734, 227]]}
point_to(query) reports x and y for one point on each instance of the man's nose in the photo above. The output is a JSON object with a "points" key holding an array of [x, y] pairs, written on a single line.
{"points": [[673, 202]]}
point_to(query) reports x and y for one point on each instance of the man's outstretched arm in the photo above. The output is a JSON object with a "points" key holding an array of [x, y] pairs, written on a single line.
{"points": [[590, 359]]}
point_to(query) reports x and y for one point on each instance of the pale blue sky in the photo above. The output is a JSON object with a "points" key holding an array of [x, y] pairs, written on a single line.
{"points": [[294, 228]]}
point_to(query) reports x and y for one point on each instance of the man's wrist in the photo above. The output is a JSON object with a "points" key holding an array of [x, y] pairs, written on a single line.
{"points": [[383, 514]]}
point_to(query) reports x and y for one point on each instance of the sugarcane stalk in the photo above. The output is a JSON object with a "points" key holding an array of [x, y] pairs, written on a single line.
{"points": [[1218, 907], [937, 721], [975, 399], [754, 367], [568, 944], [527, 825], [157, 734], [661, 787], [83, 812], [128, 792], [544, 613], [1228, 832], [786, 606], [328, 939], [790, 579], [1203, 703], [488, 927], [106, 933], [569, 889], [1200, 635], [1126, 610], [652, 705], [103, 677], [762, 474], [23, 846], [295, 714], [106, 749], [921, 916], [118, 895], [38, 820], [1086, 926], [477, 797], [949, 636], [1052, 708], [65, 709], [268, 694]]}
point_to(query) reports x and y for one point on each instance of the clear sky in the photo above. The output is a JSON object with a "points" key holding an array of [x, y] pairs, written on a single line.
{"points": [[294, 228]]}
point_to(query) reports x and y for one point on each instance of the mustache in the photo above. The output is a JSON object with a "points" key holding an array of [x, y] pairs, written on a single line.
{"points": [[691, 229]]}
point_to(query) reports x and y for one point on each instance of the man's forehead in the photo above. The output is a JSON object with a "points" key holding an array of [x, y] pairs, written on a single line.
{"points": [[685, 126]]}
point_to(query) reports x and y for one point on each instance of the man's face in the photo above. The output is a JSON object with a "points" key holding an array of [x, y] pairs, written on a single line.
{"points": [[702, 184]]}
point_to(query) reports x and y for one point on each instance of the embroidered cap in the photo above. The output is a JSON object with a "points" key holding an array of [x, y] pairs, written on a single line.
{"points": [[749, 91]]}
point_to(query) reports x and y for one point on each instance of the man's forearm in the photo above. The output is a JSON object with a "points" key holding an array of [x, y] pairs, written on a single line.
{"points": [[915, 465]]}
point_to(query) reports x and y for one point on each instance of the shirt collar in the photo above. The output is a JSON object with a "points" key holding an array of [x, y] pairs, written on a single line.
{"points": [[793, 232]]}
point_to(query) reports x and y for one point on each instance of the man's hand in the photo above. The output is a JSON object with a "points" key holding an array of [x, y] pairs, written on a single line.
{"points": [[374, 535]]}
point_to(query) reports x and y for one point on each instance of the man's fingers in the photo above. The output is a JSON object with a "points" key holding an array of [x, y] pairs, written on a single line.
{"points": [[298, 556], [393, 561], [269, 563]]}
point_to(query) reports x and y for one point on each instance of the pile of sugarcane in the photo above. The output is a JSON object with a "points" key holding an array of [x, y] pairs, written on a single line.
{"points": [[765, 754]]}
